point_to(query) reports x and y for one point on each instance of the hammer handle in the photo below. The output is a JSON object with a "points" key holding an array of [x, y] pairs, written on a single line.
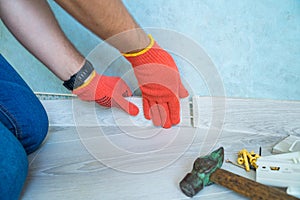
{"points": [[247, 187]]}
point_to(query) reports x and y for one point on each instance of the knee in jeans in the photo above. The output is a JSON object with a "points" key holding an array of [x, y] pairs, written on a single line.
{"points": [[34, 134]]}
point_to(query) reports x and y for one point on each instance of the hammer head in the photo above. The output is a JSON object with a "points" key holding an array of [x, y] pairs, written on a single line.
{"points": [[199, 177]]}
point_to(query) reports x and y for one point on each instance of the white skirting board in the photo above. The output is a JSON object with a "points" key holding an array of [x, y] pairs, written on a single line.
{"points": [[75, 112], [251, 115]]}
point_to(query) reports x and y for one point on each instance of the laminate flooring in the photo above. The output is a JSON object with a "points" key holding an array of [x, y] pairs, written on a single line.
{"points": [[96, 153]]}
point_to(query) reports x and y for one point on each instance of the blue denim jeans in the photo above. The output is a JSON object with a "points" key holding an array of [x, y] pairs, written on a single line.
{"points": [[23, 127]]}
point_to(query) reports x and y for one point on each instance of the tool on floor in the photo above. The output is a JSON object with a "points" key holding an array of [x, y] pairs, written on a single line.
{"points": [[281, 170], [207, 170]]}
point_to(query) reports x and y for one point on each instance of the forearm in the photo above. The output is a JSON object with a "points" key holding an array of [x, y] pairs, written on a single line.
{"points": [[107, 19], [34, 25]]}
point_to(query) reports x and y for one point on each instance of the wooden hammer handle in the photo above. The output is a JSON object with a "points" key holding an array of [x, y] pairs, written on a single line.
{"points": [[247, 187]]}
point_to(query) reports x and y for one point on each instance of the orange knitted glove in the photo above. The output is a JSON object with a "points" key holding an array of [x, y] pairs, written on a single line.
{"points": [[160, 83], [107, 91]]}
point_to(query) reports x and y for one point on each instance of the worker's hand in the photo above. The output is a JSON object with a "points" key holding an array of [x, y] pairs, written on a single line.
{"points": [[107, 91], [160, 83]]}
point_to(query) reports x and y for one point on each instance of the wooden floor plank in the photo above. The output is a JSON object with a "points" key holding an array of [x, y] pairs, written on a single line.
{"points": [[72, 163], [67, 170]]}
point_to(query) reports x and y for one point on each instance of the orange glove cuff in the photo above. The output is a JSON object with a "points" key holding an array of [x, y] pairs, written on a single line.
{"points": [[142, 51]]}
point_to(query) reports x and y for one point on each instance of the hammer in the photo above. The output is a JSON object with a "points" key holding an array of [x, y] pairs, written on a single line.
{"points": [[207, 170]]}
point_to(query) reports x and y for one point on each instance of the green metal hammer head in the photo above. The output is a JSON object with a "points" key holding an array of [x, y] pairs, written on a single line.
{"points": [[199, 177]]}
